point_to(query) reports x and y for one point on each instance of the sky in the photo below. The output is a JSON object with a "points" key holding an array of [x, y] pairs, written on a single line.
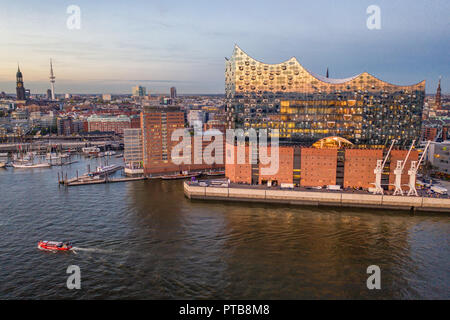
{"points": [[159, 44]]}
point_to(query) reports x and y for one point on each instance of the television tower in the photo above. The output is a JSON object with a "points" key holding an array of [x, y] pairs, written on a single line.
{"points": [[52, 80]]}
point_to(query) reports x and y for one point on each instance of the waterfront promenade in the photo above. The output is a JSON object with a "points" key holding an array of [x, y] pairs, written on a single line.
{"points": [[193, 190], [43, 146]]}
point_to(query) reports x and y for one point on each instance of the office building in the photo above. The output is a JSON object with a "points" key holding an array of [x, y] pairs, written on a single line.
{"points": [[132, 155], [158, 124], [64, 126], [139, 91], [173, 93], [439, 157], [196, 118], [114, 124]]}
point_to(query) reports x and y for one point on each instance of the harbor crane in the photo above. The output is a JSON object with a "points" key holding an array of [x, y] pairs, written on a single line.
{"points": [[413, 172], [379, 171], [399, 170]]}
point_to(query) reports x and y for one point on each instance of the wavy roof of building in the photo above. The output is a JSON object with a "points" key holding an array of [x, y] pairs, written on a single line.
{"points": [[354, 80]]}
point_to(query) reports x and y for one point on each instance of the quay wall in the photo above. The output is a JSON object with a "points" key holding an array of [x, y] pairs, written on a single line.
{"points": [[319, 198]]}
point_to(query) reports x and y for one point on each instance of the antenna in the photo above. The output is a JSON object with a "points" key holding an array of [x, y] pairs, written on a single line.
{"points": [[52, 80]]}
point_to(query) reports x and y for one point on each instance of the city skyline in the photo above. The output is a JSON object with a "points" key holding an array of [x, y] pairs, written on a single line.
{"points": [[250, 151], [176, 45]]}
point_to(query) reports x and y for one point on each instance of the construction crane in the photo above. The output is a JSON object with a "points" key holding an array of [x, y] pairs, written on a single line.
{"points": [[413, 172], [379, 171], [399, 170]]}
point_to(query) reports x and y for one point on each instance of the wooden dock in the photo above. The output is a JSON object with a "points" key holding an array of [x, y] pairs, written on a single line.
{"points": [[86, 179]]}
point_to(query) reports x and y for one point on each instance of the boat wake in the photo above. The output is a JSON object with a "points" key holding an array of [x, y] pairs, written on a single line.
{"points": [[75, 249]]}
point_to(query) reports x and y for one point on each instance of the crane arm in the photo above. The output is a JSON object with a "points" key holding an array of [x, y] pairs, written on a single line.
{"points": [[387, 155], [423, 153], [407, 155]]}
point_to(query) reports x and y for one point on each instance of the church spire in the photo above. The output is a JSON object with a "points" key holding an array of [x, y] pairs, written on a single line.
{"points": [[437, 100], [327, 73], [18, 74], [20, 90]]}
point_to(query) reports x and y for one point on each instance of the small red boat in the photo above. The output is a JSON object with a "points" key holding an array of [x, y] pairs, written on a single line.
{"points": [[54, 245]]}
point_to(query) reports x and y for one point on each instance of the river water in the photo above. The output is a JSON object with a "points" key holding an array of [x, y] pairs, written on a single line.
{"points": [[145, 240]]}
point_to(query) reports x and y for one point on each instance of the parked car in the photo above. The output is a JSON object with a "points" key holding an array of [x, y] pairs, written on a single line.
{"points": [[439, 189]]}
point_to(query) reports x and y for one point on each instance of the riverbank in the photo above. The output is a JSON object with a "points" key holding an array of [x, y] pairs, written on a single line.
{"points": [[315, 198]]}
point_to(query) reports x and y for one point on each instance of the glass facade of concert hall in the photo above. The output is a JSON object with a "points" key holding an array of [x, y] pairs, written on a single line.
{"points": [[307, 107]]}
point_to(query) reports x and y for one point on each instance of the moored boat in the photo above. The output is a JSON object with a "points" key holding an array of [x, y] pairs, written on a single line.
{"points": [[31, 165], [56, 156], [102, 170], [51, 156], [183, 175], [90, 150], [23, 158], [215, 173]]}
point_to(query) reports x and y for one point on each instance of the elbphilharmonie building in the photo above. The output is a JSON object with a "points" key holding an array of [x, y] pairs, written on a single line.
{"points": [[306, 107]]}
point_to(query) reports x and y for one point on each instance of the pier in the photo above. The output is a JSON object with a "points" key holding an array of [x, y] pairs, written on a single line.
{"points": [[69, 144], [83, 182], [94, 177], [314, 198]]}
